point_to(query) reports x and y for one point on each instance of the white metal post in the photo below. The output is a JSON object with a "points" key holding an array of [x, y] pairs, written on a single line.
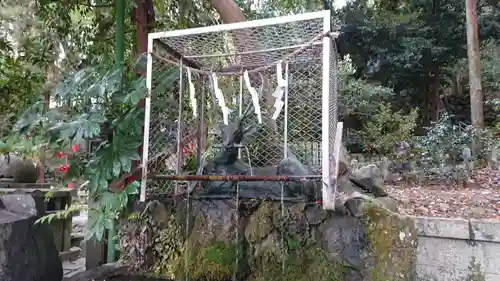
{"points": [[285, 114], [147, 117], [242, 25], [327, 191], [336, 150]]}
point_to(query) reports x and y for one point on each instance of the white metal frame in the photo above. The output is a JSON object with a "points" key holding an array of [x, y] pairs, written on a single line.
{"points": [[327, 169], [328, 195], [243, 25]]}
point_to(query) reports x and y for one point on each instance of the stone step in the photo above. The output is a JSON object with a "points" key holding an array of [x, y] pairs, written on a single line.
{"points": [[71, 268], [72, 254]]}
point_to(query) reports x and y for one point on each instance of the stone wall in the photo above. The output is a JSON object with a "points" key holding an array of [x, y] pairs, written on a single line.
{"points": [[448, 249], [264, 240], [458, 249]]}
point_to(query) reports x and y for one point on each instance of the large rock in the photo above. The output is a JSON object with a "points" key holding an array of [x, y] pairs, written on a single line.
{"points": [[27, 250], [261, 241]]}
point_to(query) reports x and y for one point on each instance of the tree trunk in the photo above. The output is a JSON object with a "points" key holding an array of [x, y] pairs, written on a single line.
{"points": [[228, 10], [143, 17], [231, 13], [476, 95], [434, 95], [42, 160]]}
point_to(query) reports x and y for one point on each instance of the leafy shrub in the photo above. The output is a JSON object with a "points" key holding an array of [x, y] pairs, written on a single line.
{"points": [[386, 128], [446, 145], [359, 100], [358, 96], [495, 130]]}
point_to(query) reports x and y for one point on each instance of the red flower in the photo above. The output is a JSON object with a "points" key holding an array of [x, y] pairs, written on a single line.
{"points": [[64, 169], [60, 155], [187, 150], [70, 185], [75, 148], [318, 202]]}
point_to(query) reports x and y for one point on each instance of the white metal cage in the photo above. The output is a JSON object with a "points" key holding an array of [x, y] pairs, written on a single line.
{"points": [[301, 44]]}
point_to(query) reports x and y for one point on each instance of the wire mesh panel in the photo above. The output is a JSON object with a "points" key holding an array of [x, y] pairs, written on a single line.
{"points": [[236, 46], [184, 116]]}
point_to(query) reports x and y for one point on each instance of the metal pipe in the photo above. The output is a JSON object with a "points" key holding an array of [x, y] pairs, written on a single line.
{"points": [[235, 178], [209, 197], [120, 54], [236, 145], [201, 125], [240, 113]]}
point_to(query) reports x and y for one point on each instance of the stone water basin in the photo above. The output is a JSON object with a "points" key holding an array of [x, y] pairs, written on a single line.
{"points": [[311, 243]]}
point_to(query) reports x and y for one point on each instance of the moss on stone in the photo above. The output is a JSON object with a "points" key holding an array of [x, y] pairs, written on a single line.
{"points": [[214, 262], [301, 258], [391, 244], [475, 272], [133, 216], [302, 265], [167, 249], [209, 254], [261, 223]]}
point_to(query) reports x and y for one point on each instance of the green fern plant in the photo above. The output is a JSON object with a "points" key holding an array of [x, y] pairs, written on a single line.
{"points": [[63, 214]]}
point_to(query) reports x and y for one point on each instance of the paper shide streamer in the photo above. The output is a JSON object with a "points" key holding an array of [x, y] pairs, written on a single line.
{"points": [[255, 96], [220, 99]]}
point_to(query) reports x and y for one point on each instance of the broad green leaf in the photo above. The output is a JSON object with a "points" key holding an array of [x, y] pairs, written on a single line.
{"points": [[117, 166], [136, 91], [97, 118], [108, 223], [97, 181], [99, 228], [92, 224], [83, 127], [97, 90], [126, 163], [132, 122], [110, 201], [113, 79], [133, 188], [31, 117], [113, 202], [123, 199]]}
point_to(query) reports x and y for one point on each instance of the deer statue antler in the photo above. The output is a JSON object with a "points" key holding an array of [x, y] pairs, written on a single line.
{"points": [[234, 134]]}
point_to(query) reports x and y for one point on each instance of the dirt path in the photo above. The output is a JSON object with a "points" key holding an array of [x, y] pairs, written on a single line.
{"points": [[479, 199]]}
